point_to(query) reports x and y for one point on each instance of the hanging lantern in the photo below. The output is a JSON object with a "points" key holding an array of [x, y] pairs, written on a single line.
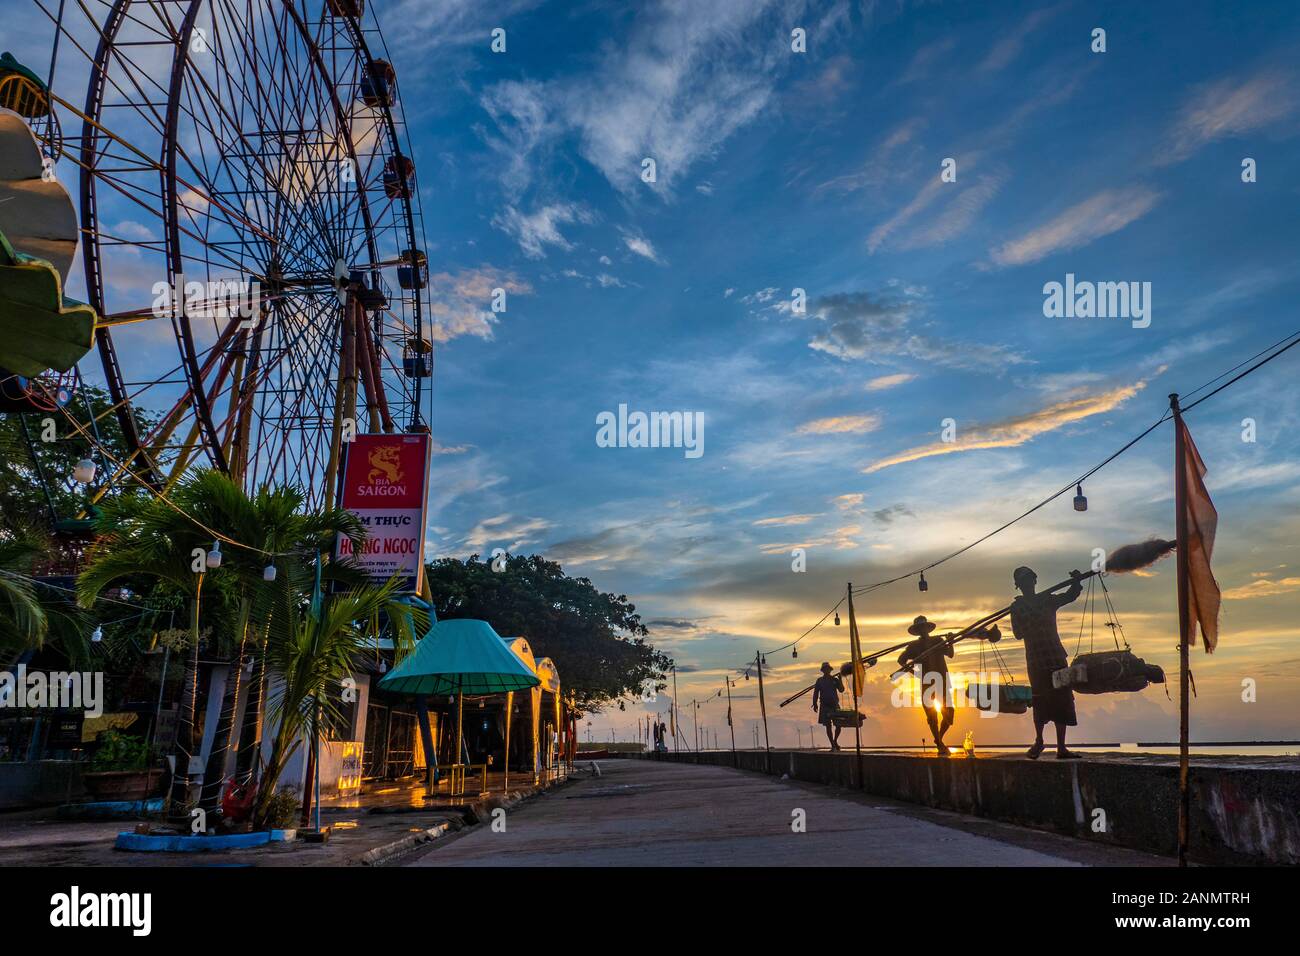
{"points": [[383, 666], [837, 618], [97, 634], [214, 556], [795, 652], [84, 471], [922, 585], [268, 573], [1080, 502], [764, 660]]}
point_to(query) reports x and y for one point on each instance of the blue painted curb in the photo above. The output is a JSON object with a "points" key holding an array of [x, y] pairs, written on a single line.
{"points": [[171, 843]]}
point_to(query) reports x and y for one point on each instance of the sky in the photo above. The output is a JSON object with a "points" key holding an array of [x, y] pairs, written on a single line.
{"points": [[841, 254]]}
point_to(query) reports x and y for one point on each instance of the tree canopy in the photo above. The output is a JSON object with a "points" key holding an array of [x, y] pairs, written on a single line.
{"points": [[596, 639], [29, 504]]}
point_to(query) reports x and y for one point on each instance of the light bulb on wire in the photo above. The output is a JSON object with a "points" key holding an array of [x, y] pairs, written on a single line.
{"points": [[922, 585], [214, 556], [1080, 502], [84, 471]]}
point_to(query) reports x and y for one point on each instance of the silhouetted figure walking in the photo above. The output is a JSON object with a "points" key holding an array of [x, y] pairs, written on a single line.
{"points": [[936, 685], [1033, 620], [826, 700]]}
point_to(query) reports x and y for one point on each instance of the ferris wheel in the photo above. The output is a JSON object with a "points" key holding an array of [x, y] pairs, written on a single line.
{"points": [[251, 237]]}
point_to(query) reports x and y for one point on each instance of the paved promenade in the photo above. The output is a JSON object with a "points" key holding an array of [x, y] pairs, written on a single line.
{"points": [[648, 813]]}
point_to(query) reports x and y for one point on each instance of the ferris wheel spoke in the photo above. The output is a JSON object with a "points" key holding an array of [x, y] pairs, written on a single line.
{"points": [[234, 125]]}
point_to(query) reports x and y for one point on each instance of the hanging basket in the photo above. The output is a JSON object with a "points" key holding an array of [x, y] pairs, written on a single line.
{"points": [[845, 718], [999, 698], [1108, 672]]}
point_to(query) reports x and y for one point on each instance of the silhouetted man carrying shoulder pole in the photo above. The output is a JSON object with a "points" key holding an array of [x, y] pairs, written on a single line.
{"points": [[1033, 620], [826, 700], [936, 686]]}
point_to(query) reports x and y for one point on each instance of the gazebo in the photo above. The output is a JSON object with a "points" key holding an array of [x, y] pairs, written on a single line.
{"points": [[455, 658]]}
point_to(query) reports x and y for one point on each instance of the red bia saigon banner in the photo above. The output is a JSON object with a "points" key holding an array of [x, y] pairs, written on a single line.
{"points": [[385, 485]]}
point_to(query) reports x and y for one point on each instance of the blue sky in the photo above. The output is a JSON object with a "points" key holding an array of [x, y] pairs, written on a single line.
{"points": [[820, 171]]}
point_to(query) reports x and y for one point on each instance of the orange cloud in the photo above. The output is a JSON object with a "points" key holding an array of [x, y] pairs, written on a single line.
{"points": [[1019, 430]]}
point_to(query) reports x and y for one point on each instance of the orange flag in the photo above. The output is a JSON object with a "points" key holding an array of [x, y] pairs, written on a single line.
{"points": [[855, 648], [1202, 519]]}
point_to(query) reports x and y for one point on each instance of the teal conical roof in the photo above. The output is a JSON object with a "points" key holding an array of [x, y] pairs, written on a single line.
{"points": [[462, 656]]}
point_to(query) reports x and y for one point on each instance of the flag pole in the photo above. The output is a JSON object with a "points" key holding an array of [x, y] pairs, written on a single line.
{"points": [[672, 711], [762, 704], [855, 655], [735, 761], [1184, 675]]}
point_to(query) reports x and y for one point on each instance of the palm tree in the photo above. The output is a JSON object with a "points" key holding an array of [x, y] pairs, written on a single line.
{"points": [[23, 622], [272, 521], [312, 647], [154, 538], [34, 615], [160, 538]]}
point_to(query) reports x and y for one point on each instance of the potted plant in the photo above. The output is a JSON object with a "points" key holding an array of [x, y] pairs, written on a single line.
{"points": [[120, 769]]}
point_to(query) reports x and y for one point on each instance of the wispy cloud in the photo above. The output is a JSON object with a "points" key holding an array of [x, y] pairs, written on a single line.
{"points": [[1018, 430], [1263, 588], [841, 424], [642, 247], [1013, 40], [1230, 107], [842, 538], [862, 325], [1108, 211], [784, 520], [537, 230], [506, 531], [882, 382], [686, 78]]}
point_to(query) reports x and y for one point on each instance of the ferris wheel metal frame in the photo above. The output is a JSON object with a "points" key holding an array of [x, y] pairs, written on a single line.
{"points": [[232, 124]]}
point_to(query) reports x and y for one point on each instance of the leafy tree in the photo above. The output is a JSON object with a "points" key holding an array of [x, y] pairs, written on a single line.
{"points": [[36, 484], [596, 639]]}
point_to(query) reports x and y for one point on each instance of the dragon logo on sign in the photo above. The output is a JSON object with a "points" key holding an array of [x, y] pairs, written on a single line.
{"points": [[383, 464]]}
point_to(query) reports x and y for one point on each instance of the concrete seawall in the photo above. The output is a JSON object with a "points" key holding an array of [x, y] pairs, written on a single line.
{"points": [[1245, 811]]}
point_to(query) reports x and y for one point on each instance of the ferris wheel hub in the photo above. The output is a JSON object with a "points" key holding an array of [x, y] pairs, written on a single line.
{"points": [[341, 272]]}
